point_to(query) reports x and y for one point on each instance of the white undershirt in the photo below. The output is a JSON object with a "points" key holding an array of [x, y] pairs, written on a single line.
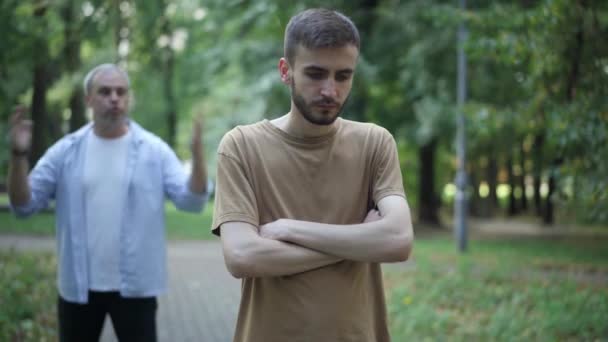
{"points": [[104, 178]]}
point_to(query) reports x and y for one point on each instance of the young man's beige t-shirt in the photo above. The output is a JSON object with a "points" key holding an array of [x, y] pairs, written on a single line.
{"points": [[263, 175]]}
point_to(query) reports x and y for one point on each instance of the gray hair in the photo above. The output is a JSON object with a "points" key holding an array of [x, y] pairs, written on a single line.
{"points": [[88, 79]]}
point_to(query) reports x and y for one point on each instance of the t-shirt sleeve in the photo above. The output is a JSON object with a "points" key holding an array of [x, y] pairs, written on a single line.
{"points": [[234, 196], [387, 179]]}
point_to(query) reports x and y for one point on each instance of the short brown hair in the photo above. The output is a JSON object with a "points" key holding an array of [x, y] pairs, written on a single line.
{"points": [[319, 28]]}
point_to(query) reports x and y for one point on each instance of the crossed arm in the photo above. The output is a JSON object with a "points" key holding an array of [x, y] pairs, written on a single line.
{"points": [[285, 247]]}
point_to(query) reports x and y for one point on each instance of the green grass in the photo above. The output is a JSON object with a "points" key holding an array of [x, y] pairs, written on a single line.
{"points": [[28, 297], [4, 199], [40, 224], [518, 290], [501, 290], [180, 225]]}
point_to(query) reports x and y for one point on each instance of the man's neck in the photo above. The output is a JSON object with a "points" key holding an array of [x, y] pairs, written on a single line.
{"points": [[294, 124], [111, 132]]}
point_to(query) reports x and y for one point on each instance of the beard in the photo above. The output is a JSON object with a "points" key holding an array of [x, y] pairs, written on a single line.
{"points": [[321, 118], [110, 121]]}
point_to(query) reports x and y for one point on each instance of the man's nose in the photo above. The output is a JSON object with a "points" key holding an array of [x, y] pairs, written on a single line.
{"points": [[329, 88], [114, 96]]}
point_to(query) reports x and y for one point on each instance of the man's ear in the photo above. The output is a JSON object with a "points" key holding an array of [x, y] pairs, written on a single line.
{"points": [[285, 71]]}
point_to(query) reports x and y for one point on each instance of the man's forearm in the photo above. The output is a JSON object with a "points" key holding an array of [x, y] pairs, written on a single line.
{"points": [[249, 255], [275, 258], [17, 181], [387, 238], [198, 177], [379, 241]]}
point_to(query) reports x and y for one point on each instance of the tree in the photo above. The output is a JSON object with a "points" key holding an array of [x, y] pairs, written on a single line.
{"points": [[553, 44]]}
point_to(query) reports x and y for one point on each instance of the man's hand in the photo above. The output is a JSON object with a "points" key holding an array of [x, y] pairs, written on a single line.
{"points": [[249, 255], [277, 230], [385, 235], [372, 215], [20, 134]]}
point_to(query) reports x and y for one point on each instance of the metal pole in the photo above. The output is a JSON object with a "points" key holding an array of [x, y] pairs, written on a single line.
{"points": [[460, 203]]}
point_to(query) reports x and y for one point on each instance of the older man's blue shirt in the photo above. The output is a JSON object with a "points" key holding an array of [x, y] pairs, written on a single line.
{"points": [[153, 174]]}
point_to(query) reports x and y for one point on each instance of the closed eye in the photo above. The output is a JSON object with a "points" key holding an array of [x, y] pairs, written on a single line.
{"points": [[344, 76], [316, 75]]}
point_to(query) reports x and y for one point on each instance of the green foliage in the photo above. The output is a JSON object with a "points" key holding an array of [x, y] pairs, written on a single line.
{"points": [[27, 297], [556, 73], [412, 51], [580, 132], [501, 291], [536, 72]]}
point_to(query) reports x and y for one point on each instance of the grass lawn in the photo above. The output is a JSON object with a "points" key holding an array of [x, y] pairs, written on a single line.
{"points": [[513, 290], [517, 290], [28, 297], [180, 225]]}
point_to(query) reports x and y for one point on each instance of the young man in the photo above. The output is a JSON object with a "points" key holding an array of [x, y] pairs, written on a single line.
{"points": [[296, 198], [109, 181]]}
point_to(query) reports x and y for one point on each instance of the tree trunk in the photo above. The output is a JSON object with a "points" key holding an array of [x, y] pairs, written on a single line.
{"points": [[168, 66], [38, 110], [170, 97], [72, 64], [492, 177], [538, 167], [77, 108], [365, 17], [511, 180], [576, 51], [548, 212], [428, 204], [522, 180], [41, 81], [575, 54], [475, 204], [364, 14]]}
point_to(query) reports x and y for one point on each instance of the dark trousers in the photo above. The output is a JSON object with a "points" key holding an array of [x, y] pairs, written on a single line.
{"points": [[134, 319]]}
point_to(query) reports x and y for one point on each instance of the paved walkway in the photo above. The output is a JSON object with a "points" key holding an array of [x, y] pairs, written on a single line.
{"points": [[203, 297]]}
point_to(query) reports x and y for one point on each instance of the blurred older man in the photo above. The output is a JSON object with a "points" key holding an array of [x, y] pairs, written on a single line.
{"points": [[109, 181]]}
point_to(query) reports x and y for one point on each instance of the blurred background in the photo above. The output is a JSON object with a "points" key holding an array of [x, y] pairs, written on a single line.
{"points": [[536, 123]]}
